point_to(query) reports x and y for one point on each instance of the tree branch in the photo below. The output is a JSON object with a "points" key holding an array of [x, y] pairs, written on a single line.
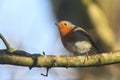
{"points": [[21, 58]]}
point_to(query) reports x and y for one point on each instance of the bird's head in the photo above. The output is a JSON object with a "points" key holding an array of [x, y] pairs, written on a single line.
{"points": [[65, 27]]}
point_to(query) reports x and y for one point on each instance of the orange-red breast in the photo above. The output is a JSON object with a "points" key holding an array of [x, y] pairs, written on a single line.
{"points": [[75, 39]]}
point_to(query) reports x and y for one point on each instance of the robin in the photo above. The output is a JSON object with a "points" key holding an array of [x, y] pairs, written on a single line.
{"points": [[75, 39]]}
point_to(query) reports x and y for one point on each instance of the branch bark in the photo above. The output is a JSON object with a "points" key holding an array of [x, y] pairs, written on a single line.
{"points": [[22, 58]]}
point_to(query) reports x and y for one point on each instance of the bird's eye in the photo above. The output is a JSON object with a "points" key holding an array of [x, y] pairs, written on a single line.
{"points": [[65, 24]]}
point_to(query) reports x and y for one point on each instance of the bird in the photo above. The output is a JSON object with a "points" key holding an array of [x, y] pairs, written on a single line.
{"points": [[75, 39]]}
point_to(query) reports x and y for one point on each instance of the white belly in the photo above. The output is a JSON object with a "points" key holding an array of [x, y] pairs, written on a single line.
{"points": [[79, 47]]}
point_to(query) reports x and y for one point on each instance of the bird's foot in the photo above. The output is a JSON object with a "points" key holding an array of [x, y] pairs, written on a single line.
{"points": [[86, 57]]}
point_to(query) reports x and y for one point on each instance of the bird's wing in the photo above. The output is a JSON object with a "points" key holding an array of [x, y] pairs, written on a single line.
{"points": [[85, 36]]}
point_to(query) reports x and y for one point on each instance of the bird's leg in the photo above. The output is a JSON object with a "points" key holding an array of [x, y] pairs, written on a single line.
{"points": [[86, 57]]}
